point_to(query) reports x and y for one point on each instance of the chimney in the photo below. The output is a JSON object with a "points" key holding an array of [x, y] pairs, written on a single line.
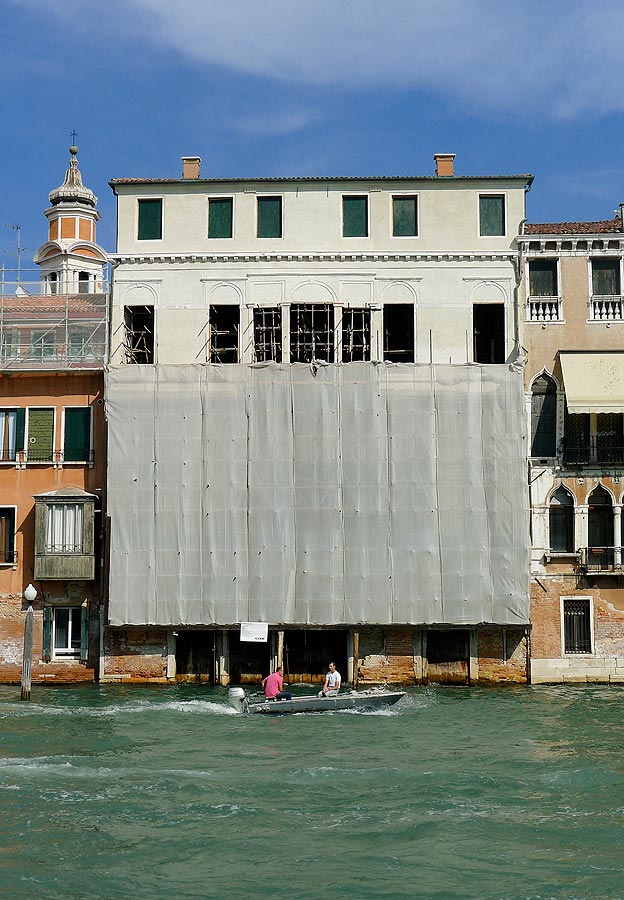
{"points": [[444, 163], [190, 166]]}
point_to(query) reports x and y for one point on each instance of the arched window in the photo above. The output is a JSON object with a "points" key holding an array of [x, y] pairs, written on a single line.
{"points": [[561, 521], [600, 529], [544, 416]]}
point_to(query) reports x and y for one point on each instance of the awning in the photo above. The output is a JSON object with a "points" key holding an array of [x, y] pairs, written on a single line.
{"points": [[594, 382]]}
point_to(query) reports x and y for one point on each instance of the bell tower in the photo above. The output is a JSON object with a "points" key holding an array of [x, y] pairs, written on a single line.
{"points": [[71, 261]]}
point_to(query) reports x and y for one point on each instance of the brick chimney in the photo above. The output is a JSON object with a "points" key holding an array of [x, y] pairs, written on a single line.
{"points": [[190, 166], [444, 163]]}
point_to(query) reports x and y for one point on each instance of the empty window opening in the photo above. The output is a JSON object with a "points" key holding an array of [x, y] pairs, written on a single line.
{"points": [[224, 330], [311, 332], [139, 334], [544, 417], [398, 332], [268, 334], [488, 321], [356, 335], [577, 624], [561, 521]]}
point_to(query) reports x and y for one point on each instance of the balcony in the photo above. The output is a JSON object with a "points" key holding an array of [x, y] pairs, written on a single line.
{"points": [[605, 308], [601, 559], [593, 452], [544, 309], [56, 458], [52, 331]]}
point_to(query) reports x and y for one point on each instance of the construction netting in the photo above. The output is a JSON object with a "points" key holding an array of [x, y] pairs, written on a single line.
{"points": [[317, 495]]}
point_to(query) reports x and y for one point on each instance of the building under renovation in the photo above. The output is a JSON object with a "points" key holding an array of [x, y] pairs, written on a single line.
{"points": [[316, 424]]}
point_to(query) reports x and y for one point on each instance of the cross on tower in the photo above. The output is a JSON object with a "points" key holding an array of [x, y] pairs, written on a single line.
{"points": [[74, 135]]}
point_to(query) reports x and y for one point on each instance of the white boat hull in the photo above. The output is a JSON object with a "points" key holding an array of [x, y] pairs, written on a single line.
{"points": [[372, 699]]}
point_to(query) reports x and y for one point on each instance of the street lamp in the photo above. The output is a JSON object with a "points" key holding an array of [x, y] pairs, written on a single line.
{"points": [[30, 595]]}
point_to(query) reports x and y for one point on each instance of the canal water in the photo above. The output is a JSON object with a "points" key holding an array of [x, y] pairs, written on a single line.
{"points": [[167, 794]]}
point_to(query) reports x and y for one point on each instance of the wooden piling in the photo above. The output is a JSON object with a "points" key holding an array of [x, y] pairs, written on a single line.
{"points": [[29, 627]]}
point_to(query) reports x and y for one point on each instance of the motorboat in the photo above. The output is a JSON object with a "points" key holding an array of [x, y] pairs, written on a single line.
{"points": [[369, 699]]}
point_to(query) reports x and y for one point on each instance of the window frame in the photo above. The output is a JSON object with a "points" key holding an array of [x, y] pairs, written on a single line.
{"points": [[8, 455], [571, 653], [89, 454], [353, 195], [11, 507], [597, 258], [40, 462], [51, 652], [271, 196], [222, 197], [139, 200], [404, 195], [501, 195], [78, 528]]}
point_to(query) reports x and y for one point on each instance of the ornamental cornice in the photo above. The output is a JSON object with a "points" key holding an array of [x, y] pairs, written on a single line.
{"points": [[323, 257], [569, 244]]}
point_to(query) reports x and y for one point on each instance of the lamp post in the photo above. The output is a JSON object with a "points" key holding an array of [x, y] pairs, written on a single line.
{"points": [[30, 595]]}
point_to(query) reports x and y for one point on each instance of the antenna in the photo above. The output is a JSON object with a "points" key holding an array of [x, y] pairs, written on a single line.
{"points": [[18, 231]]}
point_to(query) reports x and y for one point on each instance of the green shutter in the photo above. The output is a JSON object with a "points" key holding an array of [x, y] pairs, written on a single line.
{"points": [[84, 633], [491, 216], [40, 435], [543, 278], [355, 216], [77, 443], [150, 220], [47, 634], [220, 218], [20, 429], [269, 217], [606, 277], [404, 221]]}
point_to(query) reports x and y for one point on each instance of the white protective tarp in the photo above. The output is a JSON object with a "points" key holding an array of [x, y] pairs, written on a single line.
{"points": [[364, 493]]}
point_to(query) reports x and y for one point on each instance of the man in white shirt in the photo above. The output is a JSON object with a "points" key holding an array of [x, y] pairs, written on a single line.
{"points": [[332, 682]]}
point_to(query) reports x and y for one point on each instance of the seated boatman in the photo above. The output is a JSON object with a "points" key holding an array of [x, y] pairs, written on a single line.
{"points": [[332, 682], [272, 685]]}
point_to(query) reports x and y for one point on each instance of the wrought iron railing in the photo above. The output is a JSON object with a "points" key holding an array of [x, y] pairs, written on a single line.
{"points": [[53, 457], [593, 451], [600, 559]]}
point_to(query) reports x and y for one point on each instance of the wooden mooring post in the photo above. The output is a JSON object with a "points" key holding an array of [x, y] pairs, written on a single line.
{"points": [[29, 627]]}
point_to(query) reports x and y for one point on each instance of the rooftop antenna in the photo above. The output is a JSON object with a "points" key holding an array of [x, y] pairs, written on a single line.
{"points": [[18, 231]]}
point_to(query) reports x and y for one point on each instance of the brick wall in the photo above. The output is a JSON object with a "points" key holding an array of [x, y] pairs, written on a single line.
{"points": [[503, 655], [386, 656], [135, 655]]}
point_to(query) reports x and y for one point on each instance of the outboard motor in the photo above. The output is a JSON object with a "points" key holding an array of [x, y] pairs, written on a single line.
{"points": [[238, 699]]}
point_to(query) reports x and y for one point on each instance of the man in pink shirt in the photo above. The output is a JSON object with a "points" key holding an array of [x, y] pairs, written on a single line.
{"points": [[272, 685]]}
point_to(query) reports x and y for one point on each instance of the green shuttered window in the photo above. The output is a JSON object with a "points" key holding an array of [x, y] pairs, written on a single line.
{"points": [[150, 220], [355, 216], [491, 215], [40, 435], [269, 217], [220, 217], [543, 278], [77, 441], [404, 217], [606, 277]]}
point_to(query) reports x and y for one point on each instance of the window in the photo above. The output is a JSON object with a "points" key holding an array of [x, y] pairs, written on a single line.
{"points": [[609, 438], [52, 282], [268, 333], [355, 216], [269, 217], [224, 330], [488, 322], [40, 435], [139, 334], [605, 277], [7, 534], [220, 217], [577, 625], [150, 220], [42, 344], [65, 632], [544, 417], [404, 216], [79, 343], [543, 278], [576, 444], [311, 332], [355, 335], [11, 433], [64, 528], [561, 521], [77, 434], [491, 215], [83, 282], [398, 332]]}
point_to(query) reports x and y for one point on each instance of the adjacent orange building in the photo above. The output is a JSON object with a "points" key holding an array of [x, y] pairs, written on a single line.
{"points": [[53, 344]]}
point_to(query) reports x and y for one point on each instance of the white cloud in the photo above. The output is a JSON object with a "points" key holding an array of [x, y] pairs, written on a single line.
{"points": [[272, 123], [560, 57]]}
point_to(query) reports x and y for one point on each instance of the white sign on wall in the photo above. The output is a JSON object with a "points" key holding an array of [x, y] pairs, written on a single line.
{"points": [[254, 632]]}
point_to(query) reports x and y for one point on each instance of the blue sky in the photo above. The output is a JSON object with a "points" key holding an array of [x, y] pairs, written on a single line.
{"points": [[311, 87]]}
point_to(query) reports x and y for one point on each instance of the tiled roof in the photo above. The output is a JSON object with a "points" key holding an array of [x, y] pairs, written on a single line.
{"points": [[608, 226], [54, 303], [309, 179]]}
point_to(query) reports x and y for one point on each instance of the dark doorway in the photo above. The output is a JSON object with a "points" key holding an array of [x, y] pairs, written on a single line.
{"points": [[398, 332], [196, 655], [488, 322], [448, 657], [249, 662], [307, 654]]}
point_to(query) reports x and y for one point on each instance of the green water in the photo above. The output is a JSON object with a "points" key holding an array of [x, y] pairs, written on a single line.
{"points": [[113, 792]]}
